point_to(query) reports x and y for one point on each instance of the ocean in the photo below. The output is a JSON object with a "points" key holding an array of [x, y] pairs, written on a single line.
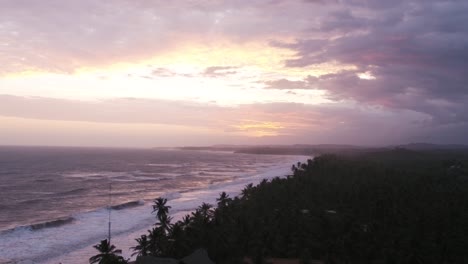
{"points": [[54, 201]]}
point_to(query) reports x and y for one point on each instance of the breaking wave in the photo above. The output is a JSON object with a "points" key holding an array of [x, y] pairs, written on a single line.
{"points": [[127, 205]]}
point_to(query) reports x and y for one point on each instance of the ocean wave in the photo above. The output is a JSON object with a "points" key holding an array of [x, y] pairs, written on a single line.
{"points": [[30, 202], [219, 173], [69, 220], [172, 195], [144, 178], [42, 193], [169, 165], [74, 191], [53, 223], [142, 173], [127, 217], [168, 174], [127, 205], [42, 180], [93, 175], [38, 226], [124, 180]]}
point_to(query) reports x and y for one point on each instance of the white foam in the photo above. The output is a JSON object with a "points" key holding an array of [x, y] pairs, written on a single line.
{"points": [[170, 165], [96, 175], [72, 243]]}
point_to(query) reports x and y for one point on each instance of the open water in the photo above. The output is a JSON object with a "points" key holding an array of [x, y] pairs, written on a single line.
{"points": [[54, 202]]}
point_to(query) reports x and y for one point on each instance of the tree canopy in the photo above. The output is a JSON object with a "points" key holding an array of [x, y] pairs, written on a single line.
{"points": [[392, 206]]}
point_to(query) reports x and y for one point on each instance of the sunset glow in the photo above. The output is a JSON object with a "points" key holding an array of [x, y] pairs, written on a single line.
{"points": [[279, 71]]}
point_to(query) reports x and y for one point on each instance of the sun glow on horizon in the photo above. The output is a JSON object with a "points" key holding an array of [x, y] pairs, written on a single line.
{"points": [[282, 70], [259, 128]]}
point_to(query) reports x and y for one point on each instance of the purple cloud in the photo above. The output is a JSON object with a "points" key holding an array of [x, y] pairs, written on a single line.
{"points": [[327, 123], [416, 50], [285, 84]]}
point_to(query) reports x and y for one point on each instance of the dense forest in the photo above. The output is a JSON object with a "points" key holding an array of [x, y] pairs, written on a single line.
{"points": [[389, 206]]}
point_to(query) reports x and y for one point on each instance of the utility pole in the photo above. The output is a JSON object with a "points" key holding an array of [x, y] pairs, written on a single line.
{"points": [[110, 208]]}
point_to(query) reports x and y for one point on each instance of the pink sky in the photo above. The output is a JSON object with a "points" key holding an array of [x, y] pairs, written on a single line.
{"points": [[138, 73]]}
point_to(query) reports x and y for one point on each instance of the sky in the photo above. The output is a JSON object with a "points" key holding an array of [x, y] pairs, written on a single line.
{"points": [[157, 73]]}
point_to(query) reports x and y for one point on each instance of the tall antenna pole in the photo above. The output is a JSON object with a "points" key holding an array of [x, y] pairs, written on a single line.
{"points": [[110, 208]]}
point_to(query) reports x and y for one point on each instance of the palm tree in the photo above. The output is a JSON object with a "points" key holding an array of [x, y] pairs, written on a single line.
{"points": [[223, 200], [180, 242], [165, 223], [160, 241], [160, 207], [108, 254], [186, 221], [143, 247], [155, 236], [206, 212], [247, 191]]}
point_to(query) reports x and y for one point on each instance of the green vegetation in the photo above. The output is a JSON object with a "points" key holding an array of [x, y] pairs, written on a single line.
{"points": [[108, 254], [389, 206]]}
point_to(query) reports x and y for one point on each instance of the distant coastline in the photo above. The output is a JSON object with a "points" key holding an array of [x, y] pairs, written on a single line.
{"points": [[306, 149]]}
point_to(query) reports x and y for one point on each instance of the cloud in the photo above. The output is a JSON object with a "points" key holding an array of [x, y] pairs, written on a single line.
{"points": [[399, 91], [63, 36], [163, 72], [405, 57], [218, 71], [123, 110], [210, 72], [285, 84], [415, 51], [269, 122]]}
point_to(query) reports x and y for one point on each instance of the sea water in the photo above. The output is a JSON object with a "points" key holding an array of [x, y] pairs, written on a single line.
{"points": [[54, 202]]}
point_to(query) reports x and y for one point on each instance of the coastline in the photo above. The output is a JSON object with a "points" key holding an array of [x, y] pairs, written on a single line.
{"points": [[182, 203]]}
